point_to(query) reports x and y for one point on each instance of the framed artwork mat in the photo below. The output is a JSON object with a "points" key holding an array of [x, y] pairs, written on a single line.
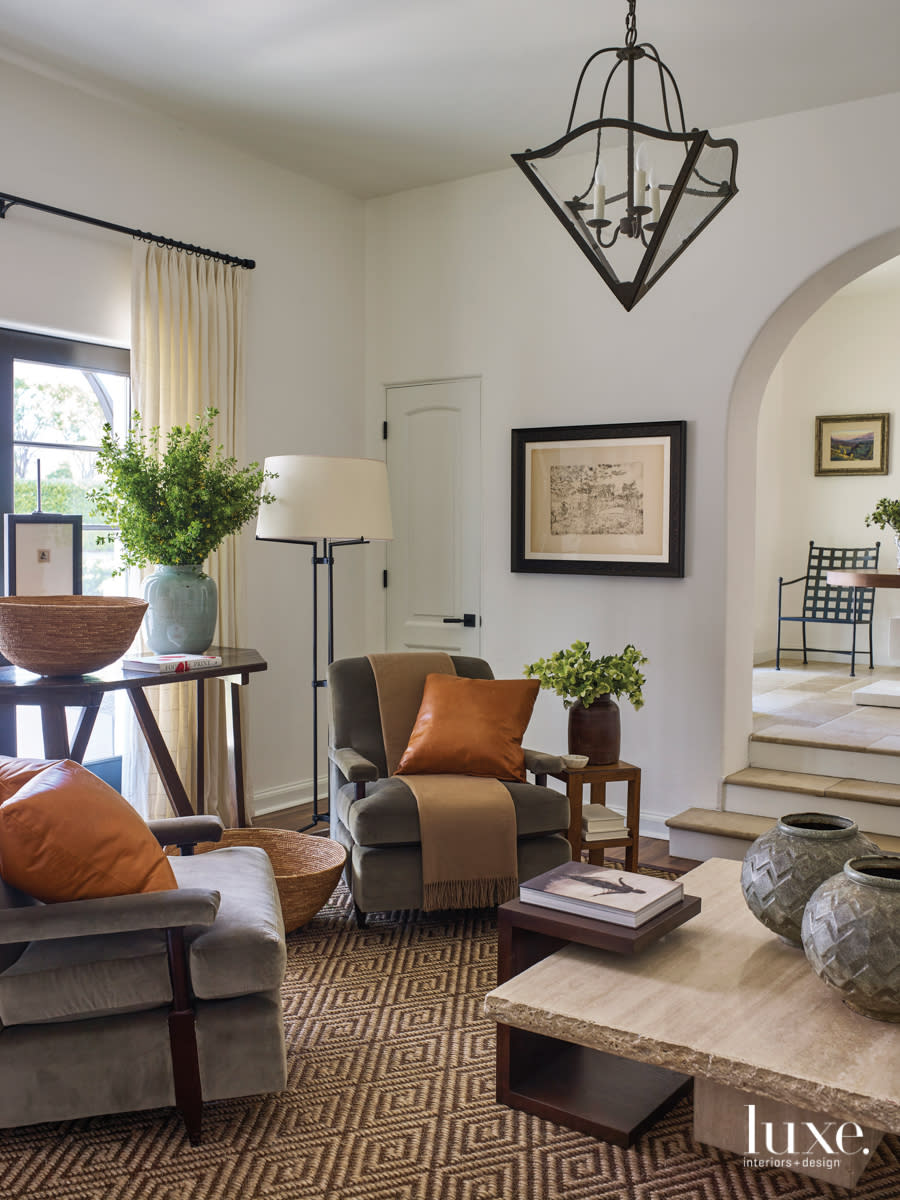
{"points": [[43, 554], [599, 499]]}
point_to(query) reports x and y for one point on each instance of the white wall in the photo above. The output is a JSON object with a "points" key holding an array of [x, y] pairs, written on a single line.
{"points": [[845, 359], [478, 277], [73, 150]]}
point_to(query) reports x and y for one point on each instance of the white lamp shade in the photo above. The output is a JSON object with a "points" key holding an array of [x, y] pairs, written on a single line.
{"points": [[319, 497]]}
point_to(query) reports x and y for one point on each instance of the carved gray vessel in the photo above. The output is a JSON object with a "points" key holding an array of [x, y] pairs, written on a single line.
{"points": [[784, 867], [851, 934]]}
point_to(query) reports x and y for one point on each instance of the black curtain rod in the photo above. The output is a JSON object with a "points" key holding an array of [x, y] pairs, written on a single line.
{"points": [[7, 201]]}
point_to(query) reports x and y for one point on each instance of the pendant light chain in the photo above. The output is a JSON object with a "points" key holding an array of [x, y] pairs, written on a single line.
{"points": [[631, 24]]}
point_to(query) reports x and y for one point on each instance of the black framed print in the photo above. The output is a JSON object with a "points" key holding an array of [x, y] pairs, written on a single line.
{"points": [[599, 499], [43, 554]]}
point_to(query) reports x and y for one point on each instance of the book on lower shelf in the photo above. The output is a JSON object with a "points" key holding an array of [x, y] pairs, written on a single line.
{"points": [[605, 835], [597, 818], [164, 664], [620, 897]]}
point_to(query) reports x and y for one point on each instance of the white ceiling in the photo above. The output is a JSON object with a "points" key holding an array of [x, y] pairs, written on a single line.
{"points": [[377, 96]]}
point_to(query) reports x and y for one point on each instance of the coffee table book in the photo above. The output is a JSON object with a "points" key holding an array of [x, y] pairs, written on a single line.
{"points": [[602, 893]]}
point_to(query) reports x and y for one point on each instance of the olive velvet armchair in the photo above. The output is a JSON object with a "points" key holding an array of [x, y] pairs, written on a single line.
{"points": [[143, 1001], [375, 816]]}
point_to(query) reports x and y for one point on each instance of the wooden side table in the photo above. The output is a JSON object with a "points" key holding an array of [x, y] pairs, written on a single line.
{"points": [[598, 777]]}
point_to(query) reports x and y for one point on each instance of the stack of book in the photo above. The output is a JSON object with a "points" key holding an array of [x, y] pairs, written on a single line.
{"points": [[620, 897], [602, 824]]}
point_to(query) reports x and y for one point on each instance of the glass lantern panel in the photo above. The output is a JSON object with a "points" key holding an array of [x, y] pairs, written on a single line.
{"points": [[708, 189]]}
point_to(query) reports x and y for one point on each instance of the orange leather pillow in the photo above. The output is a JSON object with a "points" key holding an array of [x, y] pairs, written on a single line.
{"points": [[16, 771], [67, 835], [470, 727]]}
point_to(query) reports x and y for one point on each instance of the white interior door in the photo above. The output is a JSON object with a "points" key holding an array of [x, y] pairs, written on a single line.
{"points": [[434, 562]]}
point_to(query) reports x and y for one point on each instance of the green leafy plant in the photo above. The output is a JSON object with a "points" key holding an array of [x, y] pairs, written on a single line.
{"points": [[174, 506], [886, 515], [574, 675]]}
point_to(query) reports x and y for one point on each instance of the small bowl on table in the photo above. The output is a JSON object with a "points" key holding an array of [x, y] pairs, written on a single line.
{"points": [[575, 762], [68, 635]]}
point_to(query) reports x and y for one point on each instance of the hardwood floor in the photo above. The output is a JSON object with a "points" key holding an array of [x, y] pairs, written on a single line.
{"points": [[654, 852]]}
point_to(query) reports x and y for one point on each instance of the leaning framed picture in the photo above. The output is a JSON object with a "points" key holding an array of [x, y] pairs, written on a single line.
{"points": [[43, 554], [599, 499], [853, 445]]}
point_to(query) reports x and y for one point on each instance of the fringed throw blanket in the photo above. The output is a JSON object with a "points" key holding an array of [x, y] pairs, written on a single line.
{"points": [[467, 824], [468, 829]]}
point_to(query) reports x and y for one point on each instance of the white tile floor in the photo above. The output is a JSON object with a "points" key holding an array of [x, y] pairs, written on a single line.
{"points": [[815, 703]]}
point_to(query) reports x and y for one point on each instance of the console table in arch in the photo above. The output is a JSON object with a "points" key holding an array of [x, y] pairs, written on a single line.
{"points": [[53, 695]]}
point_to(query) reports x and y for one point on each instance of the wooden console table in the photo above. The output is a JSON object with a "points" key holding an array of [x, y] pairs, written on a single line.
{"points": [[55, 694], [598, 777]]}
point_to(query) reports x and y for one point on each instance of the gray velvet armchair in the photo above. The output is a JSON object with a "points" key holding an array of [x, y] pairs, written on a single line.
{"points": [[144, 1001], [375, 817]]}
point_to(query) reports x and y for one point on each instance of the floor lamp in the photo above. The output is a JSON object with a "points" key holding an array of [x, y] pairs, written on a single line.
{"points": [[324, 503]]}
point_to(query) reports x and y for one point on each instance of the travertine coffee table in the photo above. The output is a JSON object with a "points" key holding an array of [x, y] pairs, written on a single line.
{"points": [[774, 1052]]}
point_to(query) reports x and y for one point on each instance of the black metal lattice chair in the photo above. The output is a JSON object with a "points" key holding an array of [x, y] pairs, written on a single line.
{"points": [[827, 605]]}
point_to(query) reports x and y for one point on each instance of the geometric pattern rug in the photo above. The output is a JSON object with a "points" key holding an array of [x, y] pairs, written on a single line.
{"points": [[390, 1096]]}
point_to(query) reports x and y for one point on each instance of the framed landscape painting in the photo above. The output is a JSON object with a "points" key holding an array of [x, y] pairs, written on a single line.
{"points": [[853, 445], [599, 499]]}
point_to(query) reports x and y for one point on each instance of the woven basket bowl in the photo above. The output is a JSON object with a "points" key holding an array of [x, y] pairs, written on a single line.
{"points": [[306, 868], [68, 635]]}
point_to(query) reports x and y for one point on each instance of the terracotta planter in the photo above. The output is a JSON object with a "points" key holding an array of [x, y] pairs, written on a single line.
{"points": [[595, 731]]}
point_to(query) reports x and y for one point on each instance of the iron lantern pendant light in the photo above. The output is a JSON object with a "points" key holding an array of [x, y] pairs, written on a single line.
{"points": [[671, 181]]}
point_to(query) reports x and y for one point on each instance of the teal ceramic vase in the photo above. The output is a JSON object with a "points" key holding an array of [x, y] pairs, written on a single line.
{"points": [[182, 612]]}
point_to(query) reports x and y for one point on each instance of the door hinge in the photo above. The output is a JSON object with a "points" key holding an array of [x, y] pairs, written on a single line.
{"points": [[384, 431], [384, 578]]}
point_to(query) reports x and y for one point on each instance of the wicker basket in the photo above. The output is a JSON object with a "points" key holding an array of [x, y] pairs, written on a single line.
{"points": [[306, 868], [68, 635]]}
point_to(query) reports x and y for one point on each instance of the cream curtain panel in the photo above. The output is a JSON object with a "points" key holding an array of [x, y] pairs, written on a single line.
{"points": [[187, 319]]}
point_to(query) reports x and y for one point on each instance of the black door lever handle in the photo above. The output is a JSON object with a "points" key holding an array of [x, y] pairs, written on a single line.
{"points": [[467, 619]]}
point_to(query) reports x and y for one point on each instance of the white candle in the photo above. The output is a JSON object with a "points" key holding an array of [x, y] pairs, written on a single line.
{"points": [[640, 175], [654, 196], [599, 190]]}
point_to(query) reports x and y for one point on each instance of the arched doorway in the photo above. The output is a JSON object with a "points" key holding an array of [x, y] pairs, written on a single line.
{"points": [[746, 397]]}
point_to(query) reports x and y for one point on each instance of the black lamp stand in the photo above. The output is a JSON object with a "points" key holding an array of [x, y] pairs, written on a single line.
{"points": [[325, 559]]}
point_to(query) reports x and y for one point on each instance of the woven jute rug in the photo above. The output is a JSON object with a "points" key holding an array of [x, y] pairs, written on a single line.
{"points": [[390, 1097]]}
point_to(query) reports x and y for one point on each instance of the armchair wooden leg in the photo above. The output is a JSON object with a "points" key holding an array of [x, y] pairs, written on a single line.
{"points": [[361, 917], [183, 1040]]}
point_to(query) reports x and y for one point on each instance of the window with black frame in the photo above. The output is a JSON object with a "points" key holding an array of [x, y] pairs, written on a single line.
{"points": [[56, 394]]}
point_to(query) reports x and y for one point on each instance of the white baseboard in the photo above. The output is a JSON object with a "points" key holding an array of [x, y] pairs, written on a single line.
{"points": [[653, 824], [267, 801]]}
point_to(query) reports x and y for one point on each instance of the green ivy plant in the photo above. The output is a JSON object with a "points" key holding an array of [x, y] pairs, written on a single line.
{"points": [[886, 514], [175, 506], [574, 675]]}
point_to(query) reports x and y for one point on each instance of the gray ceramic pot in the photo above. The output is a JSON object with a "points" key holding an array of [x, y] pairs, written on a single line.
{"points": [[851, 934], [784, 867]]}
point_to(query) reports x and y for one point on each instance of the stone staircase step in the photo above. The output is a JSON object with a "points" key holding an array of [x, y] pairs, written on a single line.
{"points": [[802, 755], [817, 785], [765, 792], [702, 833]]}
